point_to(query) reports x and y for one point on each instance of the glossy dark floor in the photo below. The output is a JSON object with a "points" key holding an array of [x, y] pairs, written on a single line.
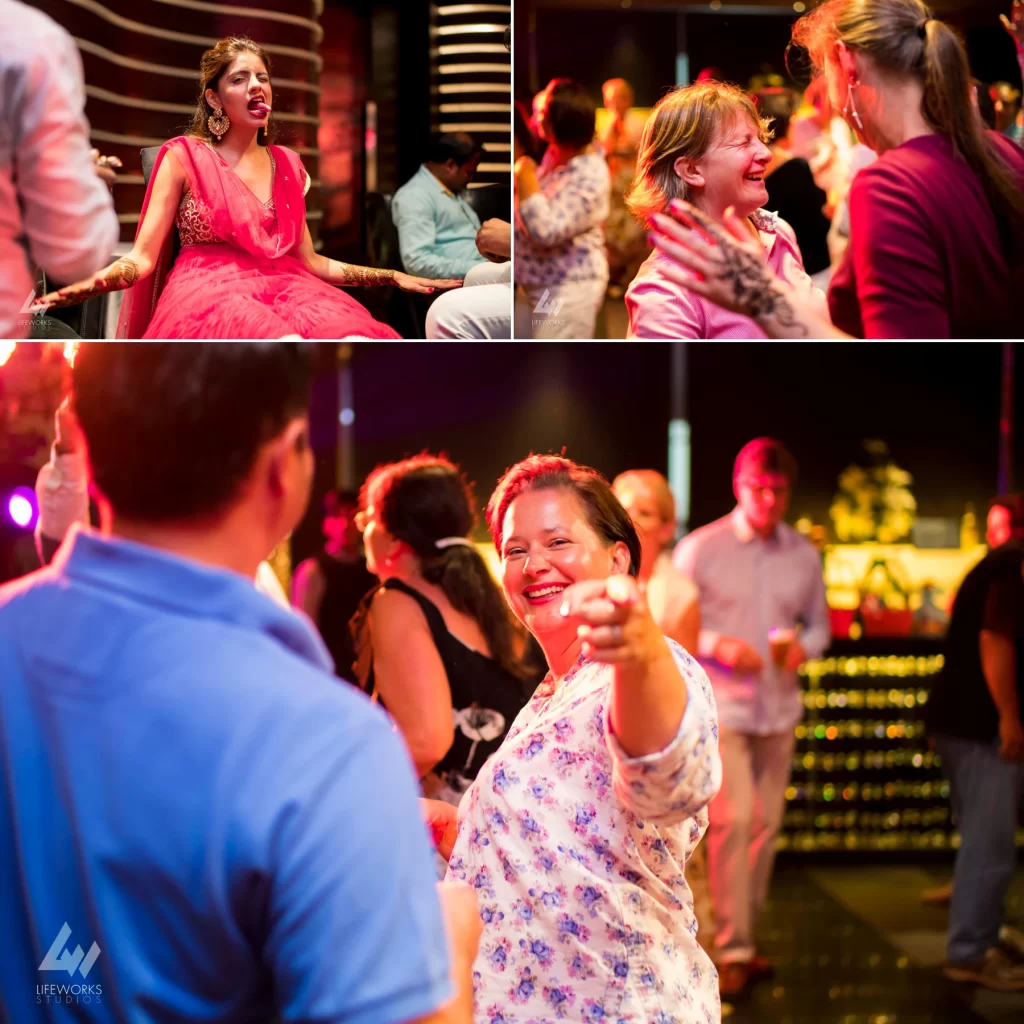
{"points": [[853, 945]]}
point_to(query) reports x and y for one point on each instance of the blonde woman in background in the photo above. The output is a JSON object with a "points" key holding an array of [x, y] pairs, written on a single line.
{"points": [[673, 601], [672, 598]]}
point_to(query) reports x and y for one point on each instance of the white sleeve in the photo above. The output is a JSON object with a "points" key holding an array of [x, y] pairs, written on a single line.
{"points": [[68, 213]]}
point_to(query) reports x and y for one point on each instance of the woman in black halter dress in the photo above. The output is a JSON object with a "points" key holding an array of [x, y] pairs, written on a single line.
{"points": [[435, 641]]}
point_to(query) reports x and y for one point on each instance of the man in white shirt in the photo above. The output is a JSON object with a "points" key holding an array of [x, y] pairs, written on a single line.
{"points": [[759, 582], [52, 202]]}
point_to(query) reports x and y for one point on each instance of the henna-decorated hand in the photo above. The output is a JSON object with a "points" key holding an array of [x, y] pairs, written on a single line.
{"points": [[1014, 25], [423, 285], [728, 267], [729, 262], [121, 274]]}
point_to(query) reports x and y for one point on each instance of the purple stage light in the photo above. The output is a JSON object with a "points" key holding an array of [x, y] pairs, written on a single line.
{"points": [[21, 507]]}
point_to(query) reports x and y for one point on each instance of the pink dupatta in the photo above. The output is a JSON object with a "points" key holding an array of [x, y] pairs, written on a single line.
{"points": [[237, 217]]}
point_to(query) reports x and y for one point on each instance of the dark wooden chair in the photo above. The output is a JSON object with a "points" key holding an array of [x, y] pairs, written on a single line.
{"points": [[384, 253]]}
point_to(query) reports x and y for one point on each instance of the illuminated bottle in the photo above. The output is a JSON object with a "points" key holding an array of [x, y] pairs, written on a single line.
{"points": [[969, 536]]}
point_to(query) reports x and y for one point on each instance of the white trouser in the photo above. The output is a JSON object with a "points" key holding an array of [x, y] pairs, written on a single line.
{"points": [[481, 308], [745, 819], [566, 310]]}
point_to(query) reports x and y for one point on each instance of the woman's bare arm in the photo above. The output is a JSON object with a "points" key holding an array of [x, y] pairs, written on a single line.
{"points": [[164, 200]]}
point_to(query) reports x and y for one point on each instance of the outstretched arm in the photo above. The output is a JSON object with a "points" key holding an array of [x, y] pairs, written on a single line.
{"points": [[139, 262], [349, 275]]}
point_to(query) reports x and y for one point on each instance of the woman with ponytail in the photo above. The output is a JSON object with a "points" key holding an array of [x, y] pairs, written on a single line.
{"points": [[936, 223], [436, 642]]}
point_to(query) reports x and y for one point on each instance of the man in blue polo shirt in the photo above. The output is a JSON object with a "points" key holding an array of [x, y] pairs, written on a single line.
{"points": [[196, 821]]}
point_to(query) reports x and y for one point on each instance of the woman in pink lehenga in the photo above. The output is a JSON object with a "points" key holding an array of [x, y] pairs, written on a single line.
{"points": [[247, 267]]}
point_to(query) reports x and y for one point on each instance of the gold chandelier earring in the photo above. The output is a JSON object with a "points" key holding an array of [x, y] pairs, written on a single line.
{"points": [[218, 123]]}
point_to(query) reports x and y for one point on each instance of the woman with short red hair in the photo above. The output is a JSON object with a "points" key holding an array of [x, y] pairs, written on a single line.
{"points": [[577, 832]]}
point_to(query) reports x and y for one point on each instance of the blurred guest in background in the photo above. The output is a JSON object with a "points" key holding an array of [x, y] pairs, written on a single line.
{"points": [[52, 192], [437, 227], [625, 237], [672, 598], [820, 136], [763, 614], [792, 192], [1014, 26], [974, 715], [561, 268], [706, 143], [329, 586], [1006, 103], [436, 643]]}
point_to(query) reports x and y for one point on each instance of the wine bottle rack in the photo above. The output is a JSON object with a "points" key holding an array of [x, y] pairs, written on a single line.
{"points": [[864, 777]]}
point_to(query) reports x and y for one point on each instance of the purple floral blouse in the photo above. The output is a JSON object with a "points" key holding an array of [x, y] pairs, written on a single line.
{"points": [[577, 853]]}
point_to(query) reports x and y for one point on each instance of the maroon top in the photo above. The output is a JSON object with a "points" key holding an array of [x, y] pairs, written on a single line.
{"points": [[925, 259]]}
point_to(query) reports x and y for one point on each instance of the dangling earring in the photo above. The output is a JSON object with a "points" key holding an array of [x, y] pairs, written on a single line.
{"points": [[850, 108], [218, 123]]}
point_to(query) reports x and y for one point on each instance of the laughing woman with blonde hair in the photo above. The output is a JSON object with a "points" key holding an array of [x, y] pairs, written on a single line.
{"points": [[705, 143]]}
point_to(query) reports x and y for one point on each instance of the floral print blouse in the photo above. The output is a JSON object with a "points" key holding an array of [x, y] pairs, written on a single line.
{"points": [[577, 854]]}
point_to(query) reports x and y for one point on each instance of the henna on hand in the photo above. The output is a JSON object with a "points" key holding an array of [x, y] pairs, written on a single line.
{"points": [[122, 273], [754, 289], [365, 277]]}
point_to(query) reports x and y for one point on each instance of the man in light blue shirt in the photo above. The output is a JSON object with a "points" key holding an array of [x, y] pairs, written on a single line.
{"points": [[437, 228], [197, 820], [763, 613]]}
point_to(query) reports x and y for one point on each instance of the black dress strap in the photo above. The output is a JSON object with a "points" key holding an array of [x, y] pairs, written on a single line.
{"points": [[435, 620]]}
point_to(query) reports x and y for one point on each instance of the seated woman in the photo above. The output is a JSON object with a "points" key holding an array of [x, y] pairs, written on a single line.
{"points": [[705, 143], [435, 643], [936, 222], [577, 832], [561, 267], [247, 266]]}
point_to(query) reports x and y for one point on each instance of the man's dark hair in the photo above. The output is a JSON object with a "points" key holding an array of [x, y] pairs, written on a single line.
{"points": [[571, 112], [765, 455], [458, 146], [173, 429], [1014, 504]]}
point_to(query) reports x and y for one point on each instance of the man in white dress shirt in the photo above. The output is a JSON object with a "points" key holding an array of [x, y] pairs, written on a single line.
{"points": [[55, 211]]}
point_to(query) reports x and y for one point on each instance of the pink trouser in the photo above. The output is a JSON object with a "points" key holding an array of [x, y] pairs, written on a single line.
{"points": [[745, 819]]}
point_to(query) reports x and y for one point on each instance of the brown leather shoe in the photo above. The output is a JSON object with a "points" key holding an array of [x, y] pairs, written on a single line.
{"points": [[733, 979]]}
